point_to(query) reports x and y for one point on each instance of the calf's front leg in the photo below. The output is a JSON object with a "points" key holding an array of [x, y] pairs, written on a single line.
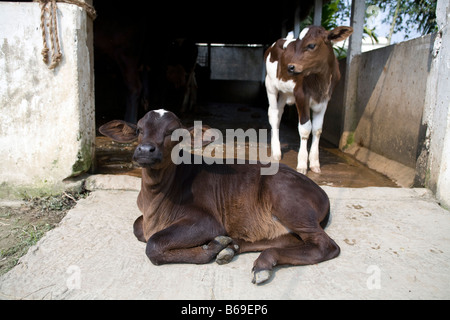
{"points": [[318, 110], [304, 127], [188, 241], [275, 112], [302, 160]]}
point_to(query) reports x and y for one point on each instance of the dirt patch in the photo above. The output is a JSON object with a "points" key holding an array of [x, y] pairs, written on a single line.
{"points": [[23, 223]]}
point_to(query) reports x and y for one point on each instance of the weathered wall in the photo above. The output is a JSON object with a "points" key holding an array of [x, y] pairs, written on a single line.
{"points": [[386, 113], [390, 99], [237, 63], [47, 127], [236, 74], [437, 110]]}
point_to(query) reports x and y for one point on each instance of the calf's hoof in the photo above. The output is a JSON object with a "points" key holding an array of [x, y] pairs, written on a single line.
{"points": [[261, 276], [225, 256], [302, 170], [316, 169], [223, 240], [218, 243], [276, 155]]}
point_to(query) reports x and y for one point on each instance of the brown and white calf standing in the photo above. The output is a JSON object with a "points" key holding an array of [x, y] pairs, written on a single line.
{"points": [[303, 71]]}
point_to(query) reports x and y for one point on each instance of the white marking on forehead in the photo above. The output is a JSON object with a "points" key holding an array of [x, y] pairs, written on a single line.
{"points": [[286, 43], [303, 33], [290, 38], [161, 112]]}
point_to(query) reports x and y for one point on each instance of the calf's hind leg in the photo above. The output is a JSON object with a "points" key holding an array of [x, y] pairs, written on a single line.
{"points": [[315, 245]]}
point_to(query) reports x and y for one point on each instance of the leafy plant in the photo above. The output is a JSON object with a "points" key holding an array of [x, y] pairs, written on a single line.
{"points": [[408, 15]]}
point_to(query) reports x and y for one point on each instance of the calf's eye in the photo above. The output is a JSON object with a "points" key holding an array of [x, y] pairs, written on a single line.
{"points": [[311, 46]]}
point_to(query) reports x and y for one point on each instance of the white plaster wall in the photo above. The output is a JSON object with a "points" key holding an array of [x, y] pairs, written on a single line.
{"points": [[47, 125], [439, 113]]}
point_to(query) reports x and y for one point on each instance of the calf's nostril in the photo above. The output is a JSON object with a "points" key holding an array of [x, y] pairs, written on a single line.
{"points": [[146, 148]]}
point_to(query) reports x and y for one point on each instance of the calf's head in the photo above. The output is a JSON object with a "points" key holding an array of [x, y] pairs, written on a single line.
{"points": [[154, 135], [313, 50]]}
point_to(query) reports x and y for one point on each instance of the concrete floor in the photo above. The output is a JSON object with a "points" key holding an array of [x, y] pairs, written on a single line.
{"points": [[394, 245]]}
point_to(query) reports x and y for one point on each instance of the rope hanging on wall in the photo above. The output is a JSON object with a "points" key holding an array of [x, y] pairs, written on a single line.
{"points": [[52, 27]]}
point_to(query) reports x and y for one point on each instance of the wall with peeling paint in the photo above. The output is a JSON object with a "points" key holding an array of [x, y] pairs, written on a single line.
{"points": [[47, 127]]}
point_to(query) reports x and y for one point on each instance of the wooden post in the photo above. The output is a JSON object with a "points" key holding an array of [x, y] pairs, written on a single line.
{"points": [[297, 20]]}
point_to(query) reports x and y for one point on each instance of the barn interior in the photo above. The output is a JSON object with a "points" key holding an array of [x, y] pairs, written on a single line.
{"points": [[151, 57], [137, 48]]}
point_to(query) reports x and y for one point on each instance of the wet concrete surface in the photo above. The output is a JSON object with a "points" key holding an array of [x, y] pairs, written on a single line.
{"points": [[338, 169]]}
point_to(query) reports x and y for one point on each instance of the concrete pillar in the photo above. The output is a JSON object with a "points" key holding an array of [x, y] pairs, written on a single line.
{"points": [[47, 118], [297, 21], [318, 4], [351, 75], [437, 109]]}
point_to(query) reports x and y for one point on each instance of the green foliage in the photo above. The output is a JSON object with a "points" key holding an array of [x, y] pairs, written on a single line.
{"points": [[408, 15], [329, 17]]}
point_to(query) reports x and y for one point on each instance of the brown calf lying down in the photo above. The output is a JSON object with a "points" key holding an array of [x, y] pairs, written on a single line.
{"points": [[193, 213]]}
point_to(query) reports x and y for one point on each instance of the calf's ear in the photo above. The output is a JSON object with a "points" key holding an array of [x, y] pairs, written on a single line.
{"points": [[120, 131], [339, 34], [202, 135]]}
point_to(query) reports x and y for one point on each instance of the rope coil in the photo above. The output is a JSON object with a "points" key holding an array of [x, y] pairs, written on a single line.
{"points": [[50, 7]]}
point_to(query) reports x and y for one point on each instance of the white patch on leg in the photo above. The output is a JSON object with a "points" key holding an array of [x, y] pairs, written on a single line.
{"points": [[275, 109], [274, 116], [314, 163], [318, 110], [302, 161]]}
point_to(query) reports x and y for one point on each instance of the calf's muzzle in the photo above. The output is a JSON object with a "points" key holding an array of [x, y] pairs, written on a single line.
{"points": [[147, 154], [294, 69]]}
